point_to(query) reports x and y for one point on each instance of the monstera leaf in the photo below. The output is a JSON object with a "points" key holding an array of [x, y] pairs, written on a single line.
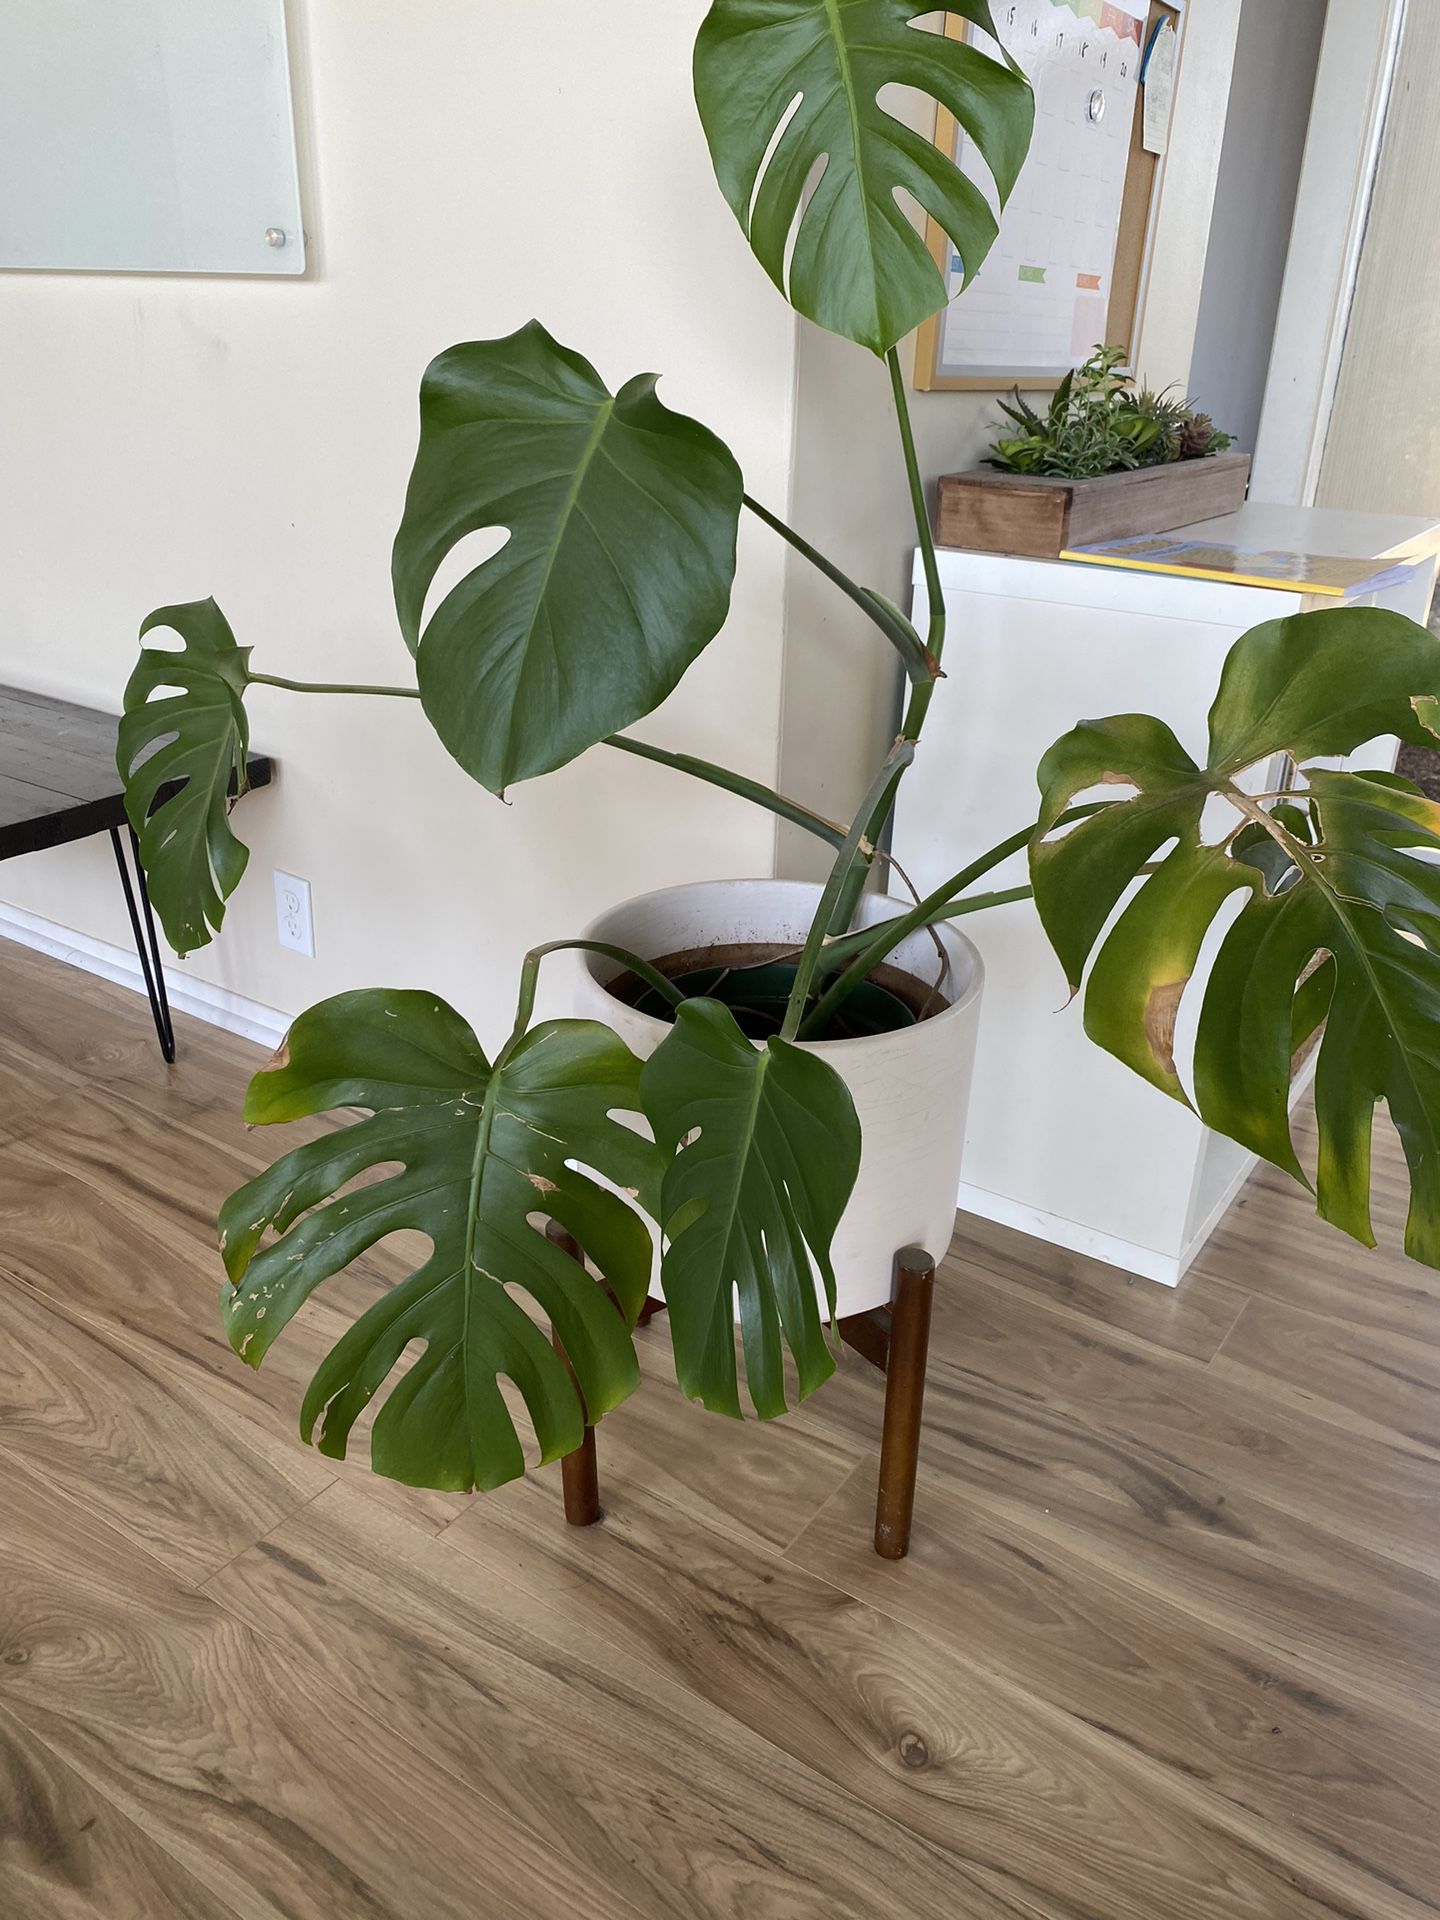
{"points": [[480, 1149], [1341, 902], [815, 68], [621, 519], [748, 1203], [196, 737]]}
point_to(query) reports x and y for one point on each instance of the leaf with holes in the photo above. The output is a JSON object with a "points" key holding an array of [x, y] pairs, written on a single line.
{"points": [[750, 1204], [812, 72], [195, 738], [1340, 920], [616, 573], [468, 1154]]}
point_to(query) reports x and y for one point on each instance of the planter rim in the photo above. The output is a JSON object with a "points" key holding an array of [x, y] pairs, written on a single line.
{"points": [[963, 949]]}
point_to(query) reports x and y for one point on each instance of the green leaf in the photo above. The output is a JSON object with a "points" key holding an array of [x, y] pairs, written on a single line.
{"points": [[858, 266], [750, 1204], [621, 518], [196, 738], [470, 1153], [1340, 914]]}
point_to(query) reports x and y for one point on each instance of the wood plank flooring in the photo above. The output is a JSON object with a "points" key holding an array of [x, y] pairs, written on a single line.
{"points": [[1167, 1646]]}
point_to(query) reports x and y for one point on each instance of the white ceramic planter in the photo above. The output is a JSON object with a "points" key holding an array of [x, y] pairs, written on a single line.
{"points": [[910, 1088]]}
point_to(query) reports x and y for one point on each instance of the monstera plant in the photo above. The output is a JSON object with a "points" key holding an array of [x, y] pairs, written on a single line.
{"points": [[734, 1148]]}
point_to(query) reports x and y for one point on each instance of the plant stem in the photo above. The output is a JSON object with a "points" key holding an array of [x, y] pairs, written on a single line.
{"points": [[330, 686], [891, 622], [737, 783], [935, 640], [874, 944], [858, 838], [921, 692], [530, 976], [828, 830]]}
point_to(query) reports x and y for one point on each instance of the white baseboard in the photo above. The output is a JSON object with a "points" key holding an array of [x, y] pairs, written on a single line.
{"points": [[1166, 1269], [217, 1006]]}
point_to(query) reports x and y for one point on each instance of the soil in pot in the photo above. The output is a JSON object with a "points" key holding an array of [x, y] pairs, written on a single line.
{"points": [[754, 981]]}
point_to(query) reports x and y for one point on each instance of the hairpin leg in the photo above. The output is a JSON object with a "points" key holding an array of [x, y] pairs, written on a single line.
{"points": [[579, 1471], [147, 946]]}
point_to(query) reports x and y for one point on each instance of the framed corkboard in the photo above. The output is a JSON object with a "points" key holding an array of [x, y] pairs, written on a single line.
{"points": [[1068, 270]]}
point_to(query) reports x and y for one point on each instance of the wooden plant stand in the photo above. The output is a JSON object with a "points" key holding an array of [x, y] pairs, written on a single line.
{"points": [[895, 1338]]}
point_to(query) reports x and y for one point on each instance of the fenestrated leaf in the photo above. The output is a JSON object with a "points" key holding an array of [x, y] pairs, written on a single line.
{"points": [[1340, 919], [617, 571], [199, 737], [750, 1204], [858, 267], [479, 1149]]}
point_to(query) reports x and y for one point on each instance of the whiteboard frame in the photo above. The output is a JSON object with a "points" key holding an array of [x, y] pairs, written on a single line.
{"points": [[60, 231]]}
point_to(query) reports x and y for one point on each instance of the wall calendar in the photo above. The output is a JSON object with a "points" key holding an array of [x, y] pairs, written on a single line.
{"points": [[1039, 304]]}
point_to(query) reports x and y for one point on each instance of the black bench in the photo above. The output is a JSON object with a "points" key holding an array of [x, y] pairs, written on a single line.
{"points": [[58, 783]]}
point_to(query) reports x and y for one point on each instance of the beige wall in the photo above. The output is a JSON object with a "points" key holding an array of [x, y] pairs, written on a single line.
{"points": [[841, 692], [1382, 451], [166, 438]]}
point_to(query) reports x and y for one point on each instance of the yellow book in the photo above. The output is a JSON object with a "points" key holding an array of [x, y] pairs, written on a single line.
{"points": [[1316, 573]]}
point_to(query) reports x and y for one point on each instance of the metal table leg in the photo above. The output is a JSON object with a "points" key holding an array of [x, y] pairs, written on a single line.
{"points": [[147, 946]]}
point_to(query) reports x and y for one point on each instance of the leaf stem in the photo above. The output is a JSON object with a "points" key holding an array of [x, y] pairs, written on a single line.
{"points": [[530, 977], [889, 619], [921, 692], [858, 838], [873, 944], [737, 783], [330, 686], [935, 643]]}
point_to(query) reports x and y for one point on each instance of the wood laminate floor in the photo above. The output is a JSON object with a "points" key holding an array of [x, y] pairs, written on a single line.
{"points": [[1167, 1648]]}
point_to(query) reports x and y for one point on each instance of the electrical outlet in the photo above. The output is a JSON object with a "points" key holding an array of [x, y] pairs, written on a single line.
{"points": [[293, 926]]}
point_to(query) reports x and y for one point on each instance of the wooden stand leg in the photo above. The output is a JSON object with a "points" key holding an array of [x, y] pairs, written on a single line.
{"points": [[579, 1471], [909, 1346]]}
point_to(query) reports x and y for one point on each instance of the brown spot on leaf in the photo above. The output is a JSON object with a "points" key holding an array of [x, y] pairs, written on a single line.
{"points": [[1117, 780], [279, 1059], [1160, 1011], [540, 1183]]}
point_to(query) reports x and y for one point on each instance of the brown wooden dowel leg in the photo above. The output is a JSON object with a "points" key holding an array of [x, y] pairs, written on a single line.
{"points": [[579, 1471], [904, 1399]]}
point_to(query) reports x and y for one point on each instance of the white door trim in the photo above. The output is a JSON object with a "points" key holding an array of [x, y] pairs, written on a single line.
{"points": [[1342, 150]]}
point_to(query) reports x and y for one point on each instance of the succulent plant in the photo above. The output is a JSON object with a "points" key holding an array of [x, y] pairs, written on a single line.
{"points": [[1099, 422]]}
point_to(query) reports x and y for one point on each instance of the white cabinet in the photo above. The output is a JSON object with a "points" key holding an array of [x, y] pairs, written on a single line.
{"points": [[1063, 1141]]}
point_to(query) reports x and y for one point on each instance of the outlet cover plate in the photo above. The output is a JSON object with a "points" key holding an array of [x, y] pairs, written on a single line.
{"points": [[294, 927]]}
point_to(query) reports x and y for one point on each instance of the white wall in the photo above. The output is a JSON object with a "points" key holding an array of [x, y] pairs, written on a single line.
{"points": [[468, 165], [1276, 56]]}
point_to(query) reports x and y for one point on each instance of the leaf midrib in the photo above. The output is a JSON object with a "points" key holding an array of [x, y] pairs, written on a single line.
{"points": [[742, 1157], [852, 102], [603, 416], [472, 1221], [1339, 909]]}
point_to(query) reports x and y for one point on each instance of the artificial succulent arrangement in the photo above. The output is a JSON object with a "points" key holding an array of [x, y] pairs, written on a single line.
{"points": [[1100, 421], [735, 1154]]}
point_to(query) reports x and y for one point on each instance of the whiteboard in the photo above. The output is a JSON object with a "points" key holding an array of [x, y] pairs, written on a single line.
{"points": [[1039, 303], [147, 136]]}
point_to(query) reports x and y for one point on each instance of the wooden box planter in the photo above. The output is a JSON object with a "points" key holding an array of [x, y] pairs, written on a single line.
{"points": [[988, 511]]}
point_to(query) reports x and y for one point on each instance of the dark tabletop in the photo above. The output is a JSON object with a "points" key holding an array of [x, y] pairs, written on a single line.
{"points": [[58, 780]]}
